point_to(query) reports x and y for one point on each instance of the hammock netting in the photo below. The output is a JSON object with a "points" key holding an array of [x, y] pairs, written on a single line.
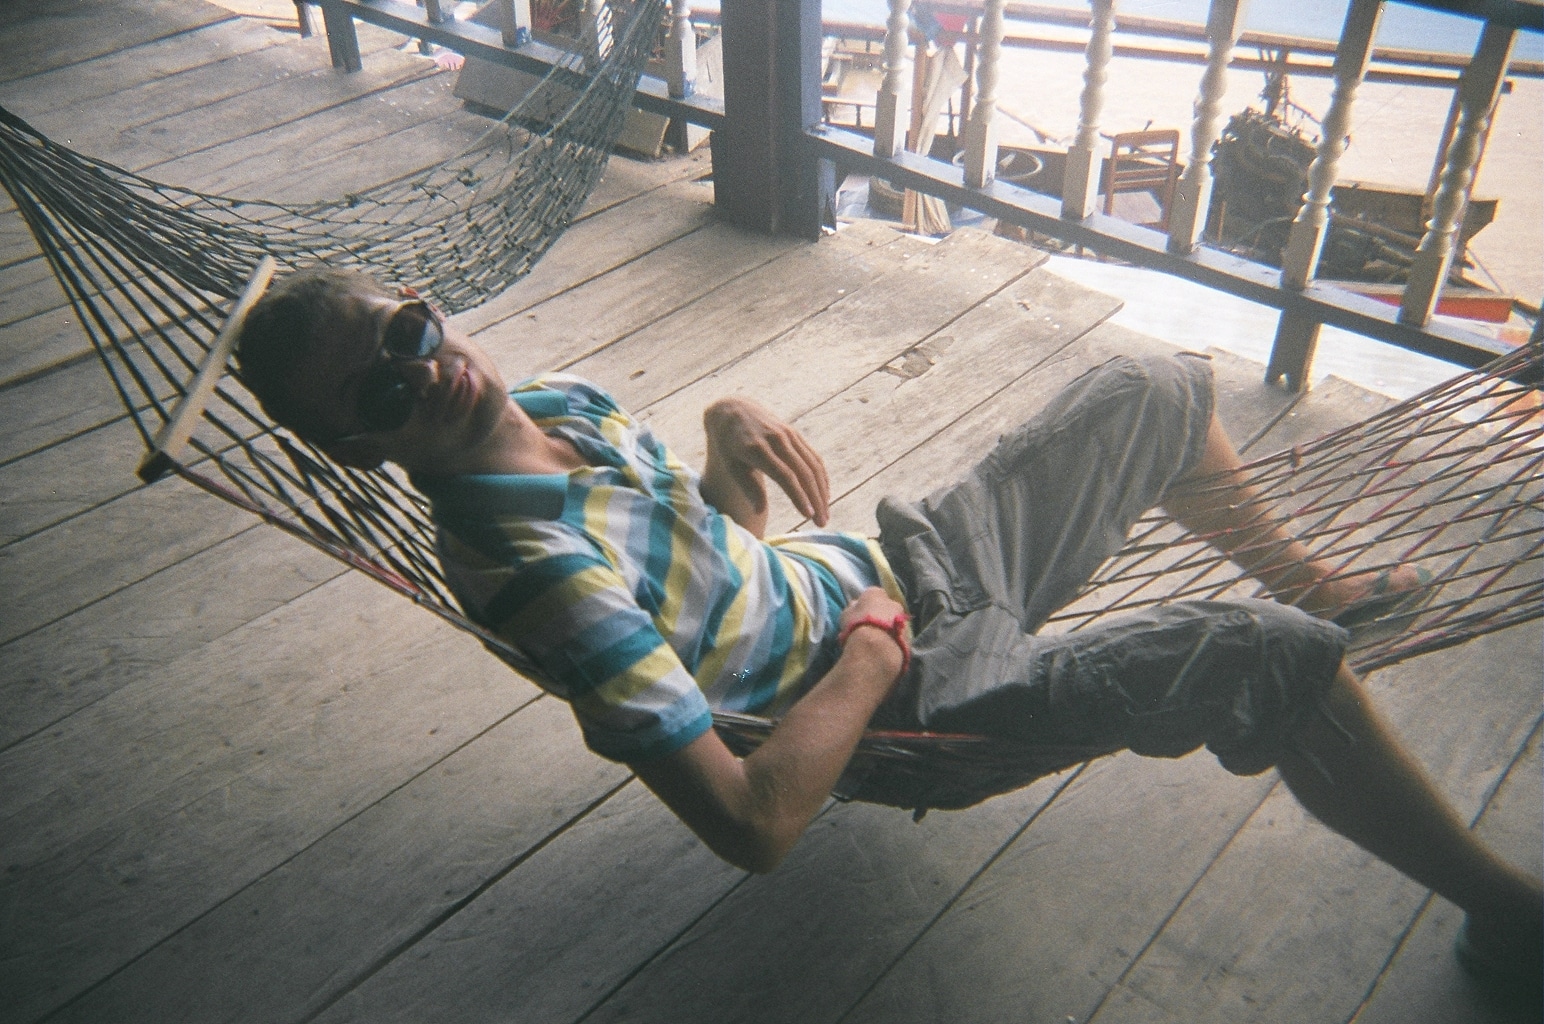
{"points": [[1449, 480]]}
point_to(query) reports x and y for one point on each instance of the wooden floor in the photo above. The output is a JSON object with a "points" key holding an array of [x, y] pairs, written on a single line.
{"points": [[240, 783]]}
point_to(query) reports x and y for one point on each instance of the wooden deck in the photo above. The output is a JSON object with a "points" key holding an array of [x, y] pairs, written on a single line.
{"points": [[240, 783]]}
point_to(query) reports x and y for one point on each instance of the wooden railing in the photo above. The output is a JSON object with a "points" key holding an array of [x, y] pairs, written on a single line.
{"points": [[774, 158]]}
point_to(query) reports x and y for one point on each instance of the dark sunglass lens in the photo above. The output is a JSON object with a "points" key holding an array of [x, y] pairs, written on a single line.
{"points": [[412, 332], [385, 399]]}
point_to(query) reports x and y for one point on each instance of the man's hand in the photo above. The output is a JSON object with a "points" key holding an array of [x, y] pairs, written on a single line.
{"points": [[745, 441]]}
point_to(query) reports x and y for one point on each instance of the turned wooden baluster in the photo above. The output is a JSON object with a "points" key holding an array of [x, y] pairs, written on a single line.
{"points": [[981, 129], [681, 51], [597, 31], [1223, 25], [1351, 59], [1478, 90], [1298, 336], [1080, 185], [888, 104]]}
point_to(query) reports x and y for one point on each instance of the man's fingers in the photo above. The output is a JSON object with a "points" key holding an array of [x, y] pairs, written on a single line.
{"points": [[801, 474], [817, 468]]}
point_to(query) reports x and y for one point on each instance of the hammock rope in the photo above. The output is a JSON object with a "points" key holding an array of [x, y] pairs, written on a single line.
{"points": [[1449, 480]]}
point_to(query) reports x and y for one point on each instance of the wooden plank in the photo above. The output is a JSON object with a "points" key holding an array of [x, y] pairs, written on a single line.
{"points": [[61, 403], [741, 315], [208, 104], [933, 383], [27, 288], [62, 33], [80, 84], [67, 479], [596, 245], [16, 242], [584, 320], [331, 913], [1244, 406], [1050, 925], [1424, 983], [309, 90], [50, 574], [40, 343], [547, 950], [802, 368], [130, 634], [803, 944], [141, 812], [1270, 933], [307, 159]]}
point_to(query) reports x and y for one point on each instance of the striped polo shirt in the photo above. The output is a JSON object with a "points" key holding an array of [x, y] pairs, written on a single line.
{"points": [[645, 608]]}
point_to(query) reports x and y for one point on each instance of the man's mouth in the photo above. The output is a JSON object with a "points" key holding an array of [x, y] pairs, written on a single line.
{"points": [[457, 394]]}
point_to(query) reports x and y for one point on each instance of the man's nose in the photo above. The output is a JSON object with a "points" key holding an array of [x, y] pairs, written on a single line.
{"points": [[420, 374]]}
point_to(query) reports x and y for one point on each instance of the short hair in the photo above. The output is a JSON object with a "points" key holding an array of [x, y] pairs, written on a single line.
{"points": [[298, 313]]}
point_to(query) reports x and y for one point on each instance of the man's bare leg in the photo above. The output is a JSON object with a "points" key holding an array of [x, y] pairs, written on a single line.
{"points": [[1231, 515], [1363, 784], [1360, 781]]}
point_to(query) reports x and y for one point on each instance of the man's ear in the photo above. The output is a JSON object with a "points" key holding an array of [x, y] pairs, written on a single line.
{"points": [[358, 452]]}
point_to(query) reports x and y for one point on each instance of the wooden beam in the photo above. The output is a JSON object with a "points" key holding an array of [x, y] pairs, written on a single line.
{"points": [[765, 177]]}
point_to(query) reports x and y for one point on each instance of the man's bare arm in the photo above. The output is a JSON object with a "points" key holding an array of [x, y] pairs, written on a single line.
{"points": [[751, 812], [746, 443]]}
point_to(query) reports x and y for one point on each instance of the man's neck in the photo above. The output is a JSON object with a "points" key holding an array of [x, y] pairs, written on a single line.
{"points": [[520, 446]]}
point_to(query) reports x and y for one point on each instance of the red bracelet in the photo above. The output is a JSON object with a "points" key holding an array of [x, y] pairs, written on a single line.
{"points": [[896, 627]]}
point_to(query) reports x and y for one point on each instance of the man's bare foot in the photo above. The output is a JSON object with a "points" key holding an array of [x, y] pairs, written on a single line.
{"points": [[1335, 596]]}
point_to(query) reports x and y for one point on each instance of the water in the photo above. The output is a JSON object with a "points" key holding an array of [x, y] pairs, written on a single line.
{"points": [[1415, 28]]}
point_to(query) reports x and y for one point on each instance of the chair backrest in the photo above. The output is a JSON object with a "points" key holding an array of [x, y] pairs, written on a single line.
{"points": [[1145, 161]]}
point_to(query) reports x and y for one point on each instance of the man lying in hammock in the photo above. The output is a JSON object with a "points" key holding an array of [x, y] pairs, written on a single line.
{"points": [[649, 597]]}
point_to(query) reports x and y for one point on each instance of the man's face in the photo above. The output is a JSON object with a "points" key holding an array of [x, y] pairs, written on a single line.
{"points": [[358, 391]]}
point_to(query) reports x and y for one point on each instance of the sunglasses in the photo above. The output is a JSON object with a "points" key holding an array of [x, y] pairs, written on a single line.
{"points": [[386, 398]]}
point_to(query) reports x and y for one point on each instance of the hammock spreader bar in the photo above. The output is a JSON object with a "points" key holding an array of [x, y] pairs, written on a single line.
{"points": [[1450, 479]]}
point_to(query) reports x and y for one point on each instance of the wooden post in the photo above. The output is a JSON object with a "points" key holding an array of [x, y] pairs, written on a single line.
{"points": [[342, 41], [763, 176], [888, 104], [1223, 25], [1080, 184], [681, 51], [1479, 90], [981, 129]]}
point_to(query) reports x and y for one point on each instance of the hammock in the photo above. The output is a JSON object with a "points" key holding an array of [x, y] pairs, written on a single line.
{"points": [[124, 245], [1449, 479]]}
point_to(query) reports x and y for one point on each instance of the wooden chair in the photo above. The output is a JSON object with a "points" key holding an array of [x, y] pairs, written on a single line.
{"points": [[1145, 161]]}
